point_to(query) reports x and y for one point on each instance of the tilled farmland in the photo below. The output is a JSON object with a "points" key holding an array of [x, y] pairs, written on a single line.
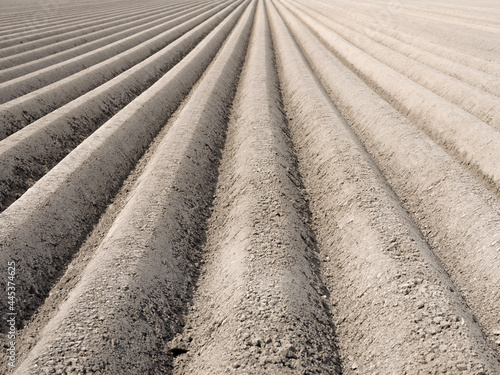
{"points": [[250, 187]]}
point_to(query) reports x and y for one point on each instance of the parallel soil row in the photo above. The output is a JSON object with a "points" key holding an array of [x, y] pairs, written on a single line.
{"points": [[390, 21], [250, 187], [124, 53], [464, 136], [31, 151], [457, 88], [87, 25], [155, 277], [22, 63], [447, 63], [370, 273], [267, 314]]}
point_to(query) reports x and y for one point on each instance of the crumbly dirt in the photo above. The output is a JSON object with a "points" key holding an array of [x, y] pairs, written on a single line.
{"points": [[259, 305], [290, 187]]}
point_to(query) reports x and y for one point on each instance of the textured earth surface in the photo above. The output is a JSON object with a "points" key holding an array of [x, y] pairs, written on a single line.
{"points": [[250, 187]]}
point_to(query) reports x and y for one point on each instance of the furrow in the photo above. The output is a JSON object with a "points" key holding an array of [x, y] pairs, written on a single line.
{"points": [[46, 15], [29, 153], [472, 76], [472, 142], [40, 19], [484, 106], [433, 32], [478, 36], [485, 7], [461, 24], [258, 306], [480, 43], [396, 310], [487, 14], [388, 26], [152, 245], [103, 21], [127, 52], [440, 13], [250, 187], [476, 9], [82, 41], [18, 113], [42, 230], [458, 217]]}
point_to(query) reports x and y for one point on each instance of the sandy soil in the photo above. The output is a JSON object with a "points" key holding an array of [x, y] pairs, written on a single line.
{"points": [[250, 187]]}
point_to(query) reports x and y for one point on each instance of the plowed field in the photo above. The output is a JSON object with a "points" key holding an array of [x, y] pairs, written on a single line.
{"points": [[250, 187]]}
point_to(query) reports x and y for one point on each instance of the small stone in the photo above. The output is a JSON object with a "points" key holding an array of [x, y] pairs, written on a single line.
{"points": [[496, 332], [256, 341], [461, 366], [445, 324], [265, 359], [433, 330], [354, 366], [290, 352]]}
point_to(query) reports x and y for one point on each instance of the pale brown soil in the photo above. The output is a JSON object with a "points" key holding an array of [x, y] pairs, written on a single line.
{"points": [[250, 187]]}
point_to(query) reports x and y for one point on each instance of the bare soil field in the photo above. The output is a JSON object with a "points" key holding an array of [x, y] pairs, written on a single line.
{"points": [[250, 187]]}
